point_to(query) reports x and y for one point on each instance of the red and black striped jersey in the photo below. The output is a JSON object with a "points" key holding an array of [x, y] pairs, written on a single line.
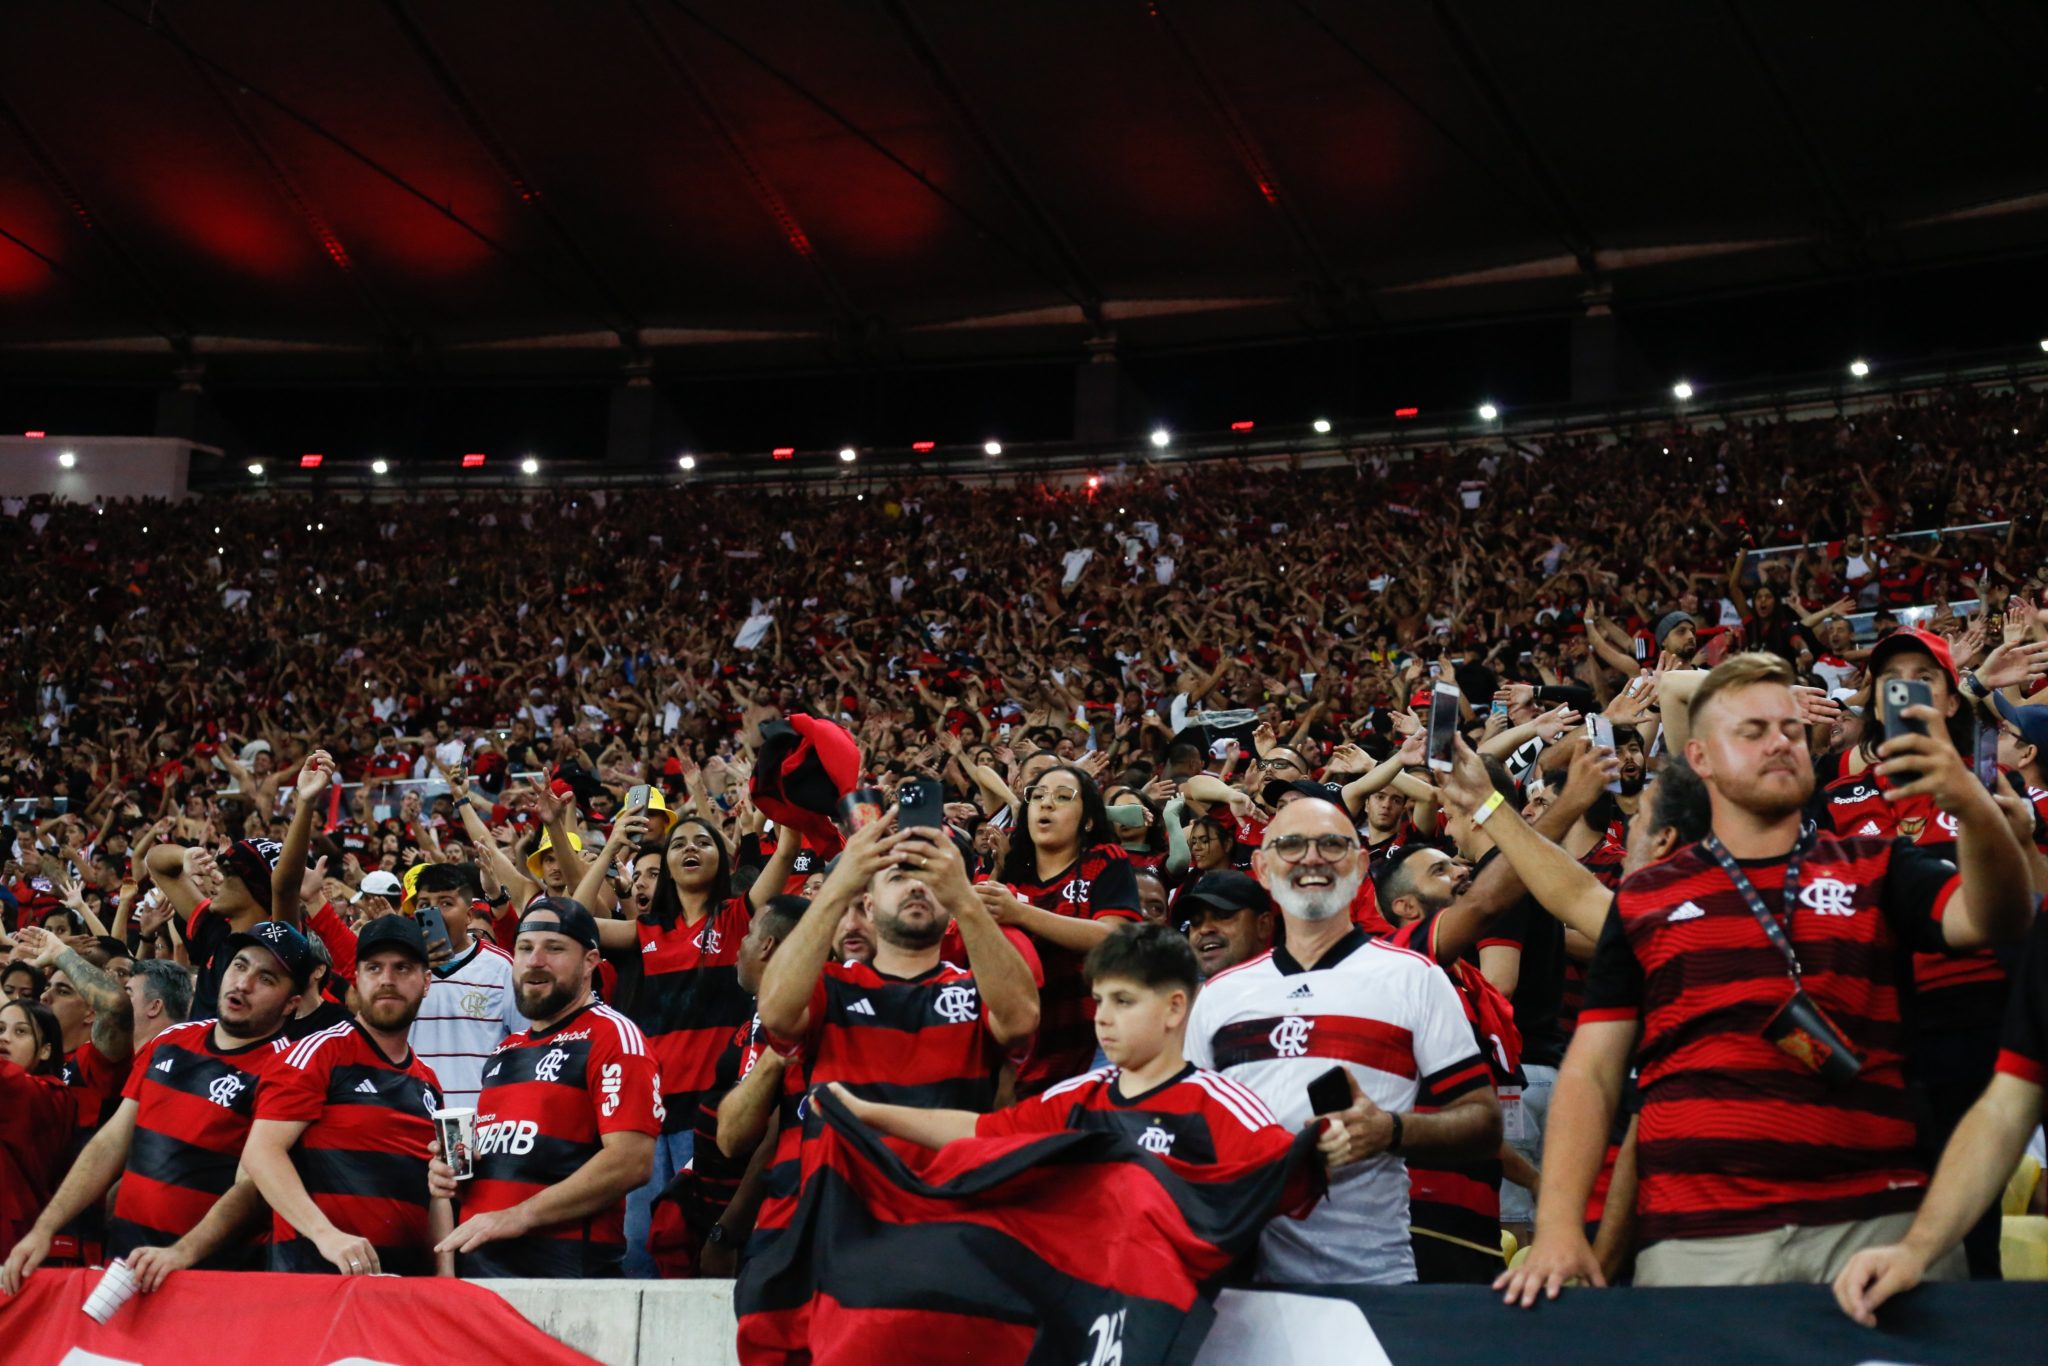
{"points": [[921, 1040], [548, 1100], [363, 1155], [715, 1178], [1097, 886], [195, 1101], [1855, 806], [1736, 1136], [1197, 1117], [2023, 1047], [37, 1114], [96, 1082], [689, 1001]]}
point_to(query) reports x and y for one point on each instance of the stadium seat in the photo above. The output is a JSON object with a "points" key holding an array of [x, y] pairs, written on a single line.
{"points": [[2023, 1247], [2019, 1191]]}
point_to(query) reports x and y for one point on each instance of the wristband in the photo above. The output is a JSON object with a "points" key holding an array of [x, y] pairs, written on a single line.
{"points": [[1973, 686], [1485, 811], [1394, 1142]]}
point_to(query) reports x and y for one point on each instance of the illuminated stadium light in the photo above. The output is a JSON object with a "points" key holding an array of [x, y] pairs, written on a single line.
{"points": [[1859, 368], [256, 468], [379, 467], [1241, 426], [38, 436], [924, 447], [1161, 437], [1094, 481], [1487, 412], [688, 462], [847, 455], [1405, 413], [783, 453], [2044, 347], [473, 461], [991, 448], [1681, 391], [67, 458], [311, 461], [1322, 426], [529, 466]]}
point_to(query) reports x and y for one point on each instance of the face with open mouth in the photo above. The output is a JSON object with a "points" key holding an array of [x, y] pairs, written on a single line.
{"points": [[692, 856]]}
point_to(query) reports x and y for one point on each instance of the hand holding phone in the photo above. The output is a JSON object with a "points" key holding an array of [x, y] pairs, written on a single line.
{"points": [[1443, 726], [920, 803], [1329, 1093], [1897, 695]]}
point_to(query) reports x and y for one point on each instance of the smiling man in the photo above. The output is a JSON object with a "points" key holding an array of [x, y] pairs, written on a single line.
{"points": [[1227, 918], [1326, 997]]}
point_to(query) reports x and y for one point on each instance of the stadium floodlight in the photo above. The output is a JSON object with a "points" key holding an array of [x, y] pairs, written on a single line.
{"points": [[529, 466], [1681, 391], [2044, 343], [688, 462], [1160, 437], [1322, 426], [256, 468], [67, 458], [847, 455], [991, 448], [379, 467], [1487, 412], [1859, 368]]}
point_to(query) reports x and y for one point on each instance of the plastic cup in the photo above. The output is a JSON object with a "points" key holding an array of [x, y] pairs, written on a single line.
{"points": [[456, 1128], [115, 1289]]}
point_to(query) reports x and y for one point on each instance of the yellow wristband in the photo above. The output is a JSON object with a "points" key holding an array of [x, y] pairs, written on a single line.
{"points": [[1487, 808]]}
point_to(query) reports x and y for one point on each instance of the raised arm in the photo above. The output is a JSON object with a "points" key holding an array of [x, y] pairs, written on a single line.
{"points": [[784, 1001], [316, 775]]}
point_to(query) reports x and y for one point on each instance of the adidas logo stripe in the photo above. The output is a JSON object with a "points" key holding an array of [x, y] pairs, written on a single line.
{"points": [[1300, 993], [365, 1087], [861, 1007]]}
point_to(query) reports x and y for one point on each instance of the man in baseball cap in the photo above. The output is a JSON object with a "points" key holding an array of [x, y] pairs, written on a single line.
{"points": [[379, 893], [1227, 918], [279, 940], [2023, 745]]}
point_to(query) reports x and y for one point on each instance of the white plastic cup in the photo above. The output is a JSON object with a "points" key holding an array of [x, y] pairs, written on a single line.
{"points": [[115, 1289], [456, 1128]]}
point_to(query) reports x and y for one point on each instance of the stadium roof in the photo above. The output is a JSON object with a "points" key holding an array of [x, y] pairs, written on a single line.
{"points": [[803, 183]]}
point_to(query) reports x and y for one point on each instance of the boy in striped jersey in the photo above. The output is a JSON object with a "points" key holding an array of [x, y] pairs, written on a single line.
{"points": [[1144, 979], [339, 1146]]}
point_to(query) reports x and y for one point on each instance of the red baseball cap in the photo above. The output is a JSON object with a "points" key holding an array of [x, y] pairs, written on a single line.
{"points": [[1908, 638]]}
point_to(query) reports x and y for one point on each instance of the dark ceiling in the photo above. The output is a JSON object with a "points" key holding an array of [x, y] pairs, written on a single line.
{"points": [[315, 185]]}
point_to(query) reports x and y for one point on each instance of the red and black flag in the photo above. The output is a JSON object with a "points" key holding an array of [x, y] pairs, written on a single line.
{"points": [[1073, 1246]]}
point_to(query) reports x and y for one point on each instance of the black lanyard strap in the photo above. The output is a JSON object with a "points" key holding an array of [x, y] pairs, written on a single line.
{"points": [[1773, 930]]}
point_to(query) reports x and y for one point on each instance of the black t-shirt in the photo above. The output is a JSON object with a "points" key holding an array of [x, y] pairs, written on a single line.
{"points": [[1539, 987], [327, 1016], [206, 935]]}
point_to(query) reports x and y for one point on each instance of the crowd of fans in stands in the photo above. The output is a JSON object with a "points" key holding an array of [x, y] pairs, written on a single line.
{"points": [[1189, 695]]}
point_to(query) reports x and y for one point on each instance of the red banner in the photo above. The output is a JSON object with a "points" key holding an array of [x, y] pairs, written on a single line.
{"points": [[225, 1318]]}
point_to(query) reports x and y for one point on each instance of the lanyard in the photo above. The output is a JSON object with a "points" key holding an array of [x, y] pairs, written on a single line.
{"points": [[1773, 930]]}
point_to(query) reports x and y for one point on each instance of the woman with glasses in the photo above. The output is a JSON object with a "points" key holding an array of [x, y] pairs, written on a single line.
{"points": [[1069, 883]]}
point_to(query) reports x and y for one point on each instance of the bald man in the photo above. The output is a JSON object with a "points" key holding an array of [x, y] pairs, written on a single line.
{"points": [[1329, 997]]}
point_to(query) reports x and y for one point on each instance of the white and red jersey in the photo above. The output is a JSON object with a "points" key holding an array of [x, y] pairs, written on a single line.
{"points": [[1390, 1018], [471, 1008]]}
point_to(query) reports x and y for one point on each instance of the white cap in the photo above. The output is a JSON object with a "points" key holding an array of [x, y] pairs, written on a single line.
{"points": [[379, 883]]}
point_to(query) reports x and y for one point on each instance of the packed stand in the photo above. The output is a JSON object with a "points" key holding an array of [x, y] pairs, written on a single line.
{"points": [[521, 887]]}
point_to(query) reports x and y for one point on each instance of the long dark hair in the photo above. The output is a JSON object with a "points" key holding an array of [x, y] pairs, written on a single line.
{"points": [[667, 905], [44, 1022], [1021, 865]]}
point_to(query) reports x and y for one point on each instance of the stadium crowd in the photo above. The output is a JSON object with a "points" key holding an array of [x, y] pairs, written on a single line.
{"points": [[324, 815]]}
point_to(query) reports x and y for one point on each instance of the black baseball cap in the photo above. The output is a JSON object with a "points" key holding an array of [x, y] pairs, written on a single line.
{"points": [[1326, 792], [1228, 891], [561, 915], [283, 942], [391, 932]]}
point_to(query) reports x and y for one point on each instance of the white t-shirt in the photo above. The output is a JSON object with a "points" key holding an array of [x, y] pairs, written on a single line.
{"points": [[470, 1009], [1389, 1017]]}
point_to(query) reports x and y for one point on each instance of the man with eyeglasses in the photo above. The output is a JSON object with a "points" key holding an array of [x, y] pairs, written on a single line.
{"points": [[1328, 996]]}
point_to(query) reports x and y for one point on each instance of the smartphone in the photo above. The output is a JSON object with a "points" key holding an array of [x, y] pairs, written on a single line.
{"points": [[920, 803], [637, 797], [432, 925], [1443, 726], [1899, 694], [1329, 1093], [1600, 731], [1987, 757]]}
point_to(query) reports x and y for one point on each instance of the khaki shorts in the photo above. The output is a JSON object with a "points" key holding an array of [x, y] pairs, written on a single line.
{"points": [[1779, 1256]]}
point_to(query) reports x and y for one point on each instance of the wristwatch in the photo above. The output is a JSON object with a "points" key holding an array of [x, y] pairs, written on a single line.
{"points": [[717, 1237], [1973, 686]]}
